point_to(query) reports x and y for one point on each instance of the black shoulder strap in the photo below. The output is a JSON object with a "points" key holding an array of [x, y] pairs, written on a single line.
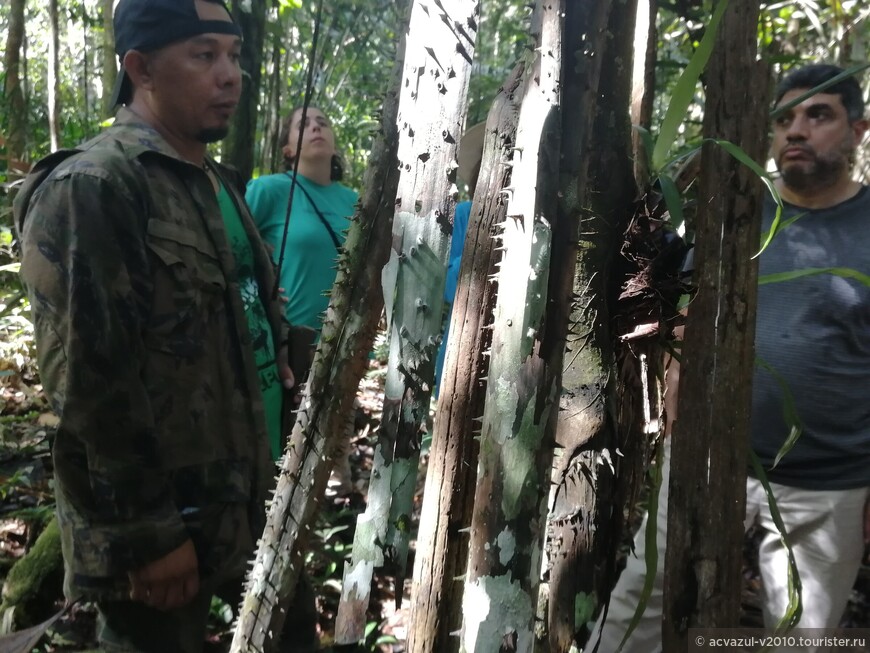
{"points": [[323, 219]]}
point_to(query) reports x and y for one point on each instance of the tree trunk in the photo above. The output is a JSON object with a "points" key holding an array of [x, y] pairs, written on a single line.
{"points": [[238, 147], [272, 119], [86, 73], [711, 439], [431, 115], [53, 76], [16, 109], [597, 175], [339, 363], [643, 82], [448, 499], [516, 447], [110, 59]]}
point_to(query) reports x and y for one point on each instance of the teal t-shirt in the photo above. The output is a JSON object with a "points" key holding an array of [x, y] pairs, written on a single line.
{"points": [[309, 266], [258, 321]]}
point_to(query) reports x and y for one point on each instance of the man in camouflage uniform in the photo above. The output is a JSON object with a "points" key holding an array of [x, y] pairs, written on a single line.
{"points": [[161, 457]]}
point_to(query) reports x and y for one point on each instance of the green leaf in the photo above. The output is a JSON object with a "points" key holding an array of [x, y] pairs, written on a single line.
{"points": [[652, 553], [647, 140], [11, 267], [776, 227], [737, 152], [789, 411], [818, 89], [846, 273], [684, 302], [673, 200], [684, 91], [793, 610], [682, 156]]}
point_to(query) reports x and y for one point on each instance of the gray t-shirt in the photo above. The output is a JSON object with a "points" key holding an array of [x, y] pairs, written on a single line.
{"points": [[815, 332]]}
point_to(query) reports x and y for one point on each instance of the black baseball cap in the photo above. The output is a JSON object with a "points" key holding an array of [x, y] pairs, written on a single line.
{"points": [[148, 25]]}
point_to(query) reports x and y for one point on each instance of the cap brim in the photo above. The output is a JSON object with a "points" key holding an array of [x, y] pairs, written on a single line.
{"points": [[123, 91], [470, 150]]}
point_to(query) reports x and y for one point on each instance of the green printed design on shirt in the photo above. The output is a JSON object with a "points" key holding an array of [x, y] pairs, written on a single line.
{"points": [[258, 321]]}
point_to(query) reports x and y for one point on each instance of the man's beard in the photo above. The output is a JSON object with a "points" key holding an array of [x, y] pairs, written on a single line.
{"points": [[212, 134], [821, 172]]}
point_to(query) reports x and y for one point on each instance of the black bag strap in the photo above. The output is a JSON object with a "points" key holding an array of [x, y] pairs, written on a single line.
{"points": [[323, 219]]}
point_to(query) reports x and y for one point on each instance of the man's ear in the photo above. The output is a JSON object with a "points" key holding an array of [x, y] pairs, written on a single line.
{"points": [[139, 67]]}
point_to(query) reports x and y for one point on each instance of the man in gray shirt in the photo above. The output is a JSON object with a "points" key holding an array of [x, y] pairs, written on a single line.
{"points": [[814, 331]]}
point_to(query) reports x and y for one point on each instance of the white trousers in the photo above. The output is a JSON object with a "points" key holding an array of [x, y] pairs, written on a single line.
{"points": [[826, 533]]}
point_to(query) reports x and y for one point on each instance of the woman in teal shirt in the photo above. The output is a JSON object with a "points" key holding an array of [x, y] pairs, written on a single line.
{"points": [[321, 213]]}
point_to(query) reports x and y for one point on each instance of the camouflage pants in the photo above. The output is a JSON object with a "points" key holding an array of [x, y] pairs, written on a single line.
{"points": [[132, 627], [128, 626]]}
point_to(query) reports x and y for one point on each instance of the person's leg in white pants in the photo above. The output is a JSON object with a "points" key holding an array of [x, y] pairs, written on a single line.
{"points": [[825, 531], [826, 534], [647, 637]]}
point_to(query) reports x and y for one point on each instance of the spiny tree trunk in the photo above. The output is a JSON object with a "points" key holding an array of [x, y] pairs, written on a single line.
{"points": [[516, 446], [448, 499], [339, 363], [53, 76], [711, 439], [431, 116], [15, 106], [110, 60], [598, 185], [238, 147]]}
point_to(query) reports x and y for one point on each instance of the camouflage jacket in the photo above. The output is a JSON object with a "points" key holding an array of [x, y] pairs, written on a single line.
{"points": [[144, 353]]}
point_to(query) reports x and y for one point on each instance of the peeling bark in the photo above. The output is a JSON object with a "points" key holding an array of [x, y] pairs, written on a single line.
{"points": [[519, 418], [711, 438], [448, 499], [431, 115]]}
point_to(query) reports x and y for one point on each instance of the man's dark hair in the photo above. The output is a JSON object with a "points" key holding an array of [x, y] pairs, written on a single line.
{"points": [[336, 170], [813, 75]]}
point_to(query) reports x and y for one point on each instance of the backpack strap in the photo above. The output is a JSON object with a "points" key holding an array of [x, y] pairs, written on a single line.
{"points": [[320, 215]]}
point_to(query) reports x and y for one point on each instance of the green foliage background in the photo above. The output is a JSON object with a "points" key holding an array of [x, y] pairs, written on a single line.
{"points": [[357, 48]]}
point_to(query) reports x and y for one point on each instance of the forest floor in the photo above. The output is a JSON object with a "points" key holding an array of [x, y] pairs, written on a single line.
{"points": [[26, 503]]}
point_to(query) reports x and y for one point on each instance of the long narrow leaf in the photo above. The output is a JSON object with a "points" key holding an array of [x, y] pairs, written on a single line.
{"points": [[846, 273], [793, 611], [737, 152], [789, 411], [652, 553], [818, 89], [684, 91], [682, 156], [646, 139], [775, 228], [673, 200]]}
